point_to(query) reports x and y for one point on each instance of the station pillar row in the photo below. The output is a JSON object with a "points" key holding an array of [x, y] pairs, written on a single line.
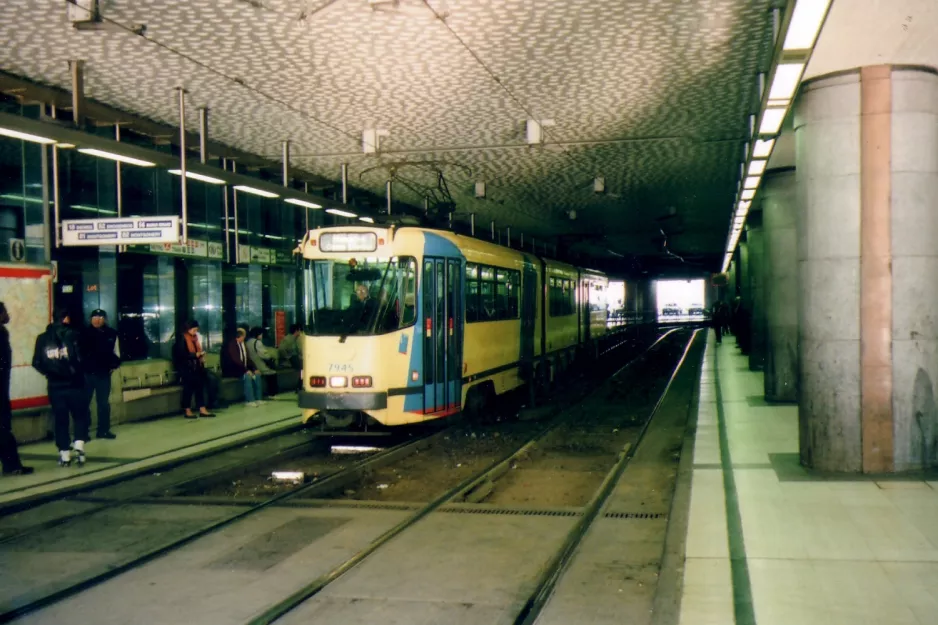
{"points": [[866, 146], [781, 285], [755, 240]]}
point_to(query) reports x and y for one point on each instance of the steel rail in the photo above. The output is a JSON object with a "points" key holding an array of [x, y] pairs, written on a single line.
{"points": [[463, 489], [558, 564]]}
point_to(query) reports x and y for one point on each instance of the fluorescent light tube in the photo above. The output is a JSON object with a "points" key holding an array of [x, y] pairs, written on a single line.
{"points": [[195, 176], [25, 136], [120, 158], [786, 79], [805, 23], [751, 182], [763, 149], [748, 194], [255, 191], [293, 200], [756, 167], [771, 121], [744, 206], [367, 220], [341, 213]]}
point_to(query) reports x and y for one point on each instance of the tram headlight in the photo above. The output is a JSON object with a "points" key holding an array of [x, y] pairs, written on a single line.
{"points": [[317, 381], [361, 381], [338, 381]]}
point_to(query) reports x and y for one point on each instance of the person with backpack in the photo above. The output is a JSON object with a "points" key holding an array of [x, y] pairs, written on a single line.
{"points": [[58, 357], [190, 364], [9, 456]]}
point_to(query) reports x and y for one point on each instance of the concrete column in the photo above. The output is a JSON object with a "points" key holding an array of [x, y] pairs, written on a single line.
{"points": [[650, 301], [781, 286], [867, 176], [741, 329], [756, 239]]}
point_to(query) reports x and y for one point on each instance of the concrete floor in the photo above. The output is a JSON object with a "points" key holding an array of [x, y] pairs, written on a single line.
{"points": [[146, 444], [811, 551]]}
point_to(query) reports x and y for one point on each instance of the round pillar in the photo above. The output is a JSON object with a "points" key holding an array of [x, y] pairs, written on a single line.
{"points": [[741, 317], [755, 240], [781, 286], [867, 176]]}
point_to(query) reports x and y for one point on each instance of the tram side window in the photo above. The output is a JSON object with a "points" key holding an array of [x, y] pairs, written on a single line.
{"points": [[597, 298], [491, 293], [561, 297], [472, 292]]}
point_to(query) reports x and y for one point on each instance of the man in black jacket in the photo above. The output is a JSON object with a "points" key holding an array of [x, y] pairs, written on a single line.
{"points": [[58, 358], [100, 356], [9, 456]]}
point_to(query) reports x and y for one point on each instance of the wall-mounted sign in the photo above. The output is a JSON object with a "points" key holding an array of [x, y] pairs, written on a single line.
{"points": [[193, 248], [127, 231], [18, 250], [260, 255], [250, 254]]}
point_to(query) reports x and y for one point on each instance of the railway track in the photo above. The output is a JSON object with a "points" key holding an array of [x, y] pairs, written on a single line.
{"points": [[164, 488], [477, 488]]}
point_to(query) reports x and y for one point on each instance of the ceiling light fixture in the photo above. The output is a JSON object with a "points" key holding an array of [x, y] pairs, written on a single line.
{"points": [[304, 203], [785, 82], [25, 136], [748, 194], [255, 191], [120, 158], [195, 176], [772, 121], [805, 24], [763, 148], [367, 220], [341, 213], [751, 182], [756, 167]]}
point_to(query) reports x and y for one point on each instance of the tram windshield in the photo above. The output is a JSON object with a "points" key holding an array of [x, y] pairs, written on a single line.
{"points": [[360, 296]]}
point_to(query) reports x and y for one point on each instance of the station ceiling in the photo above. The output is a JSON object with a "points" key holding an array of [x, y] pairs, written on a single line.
{"points": [[652, 96]]}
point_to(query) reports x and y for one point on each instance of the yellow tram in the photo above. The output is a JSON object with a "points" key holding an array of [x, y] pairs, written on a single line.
{"points": [[408, 324]]}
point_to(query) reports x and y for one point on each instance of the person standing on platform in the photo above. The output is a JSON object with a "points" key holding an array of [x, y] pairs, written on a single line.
{"points": [[57, 356], [240, 366], [717, 320], [262, 360], [291, 348], [190, 364], [101, 356], [9, 456]]}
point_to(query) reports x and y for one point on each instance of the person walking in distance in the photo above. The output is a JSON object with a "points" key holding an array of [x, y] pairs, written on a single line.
{"points": [[101, 352], [242, 367], [9, 456], [190, 363], [57, 356]]}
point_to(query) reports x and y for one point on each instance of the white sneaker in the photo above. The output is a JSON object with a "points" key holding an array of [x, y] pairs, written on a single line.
{"points": [[65, 458], [79, 447]]}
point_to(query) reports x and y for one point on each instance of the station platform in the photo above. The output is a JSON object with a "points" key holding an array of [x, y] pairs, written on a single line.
{"points": [[146, 445], [768, 542]]}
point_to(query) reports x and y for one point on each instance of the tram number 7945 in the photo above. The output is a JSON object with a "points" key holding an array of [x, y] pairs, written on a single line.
{"points": [[340, 368]]}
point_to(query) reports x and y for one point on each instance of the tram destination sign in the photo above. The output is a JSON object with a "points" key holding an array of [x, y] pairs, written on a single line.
{"points": [[121, 231]]}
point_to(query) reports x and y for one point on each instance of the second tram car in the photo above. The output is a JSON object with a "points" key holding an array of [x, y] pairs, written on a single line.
{"points": [[407, 324]]}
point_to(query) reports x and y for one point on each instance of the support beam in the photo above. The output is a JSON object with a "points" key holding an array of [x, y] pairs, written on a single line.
{"points": [[77, 70]]}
